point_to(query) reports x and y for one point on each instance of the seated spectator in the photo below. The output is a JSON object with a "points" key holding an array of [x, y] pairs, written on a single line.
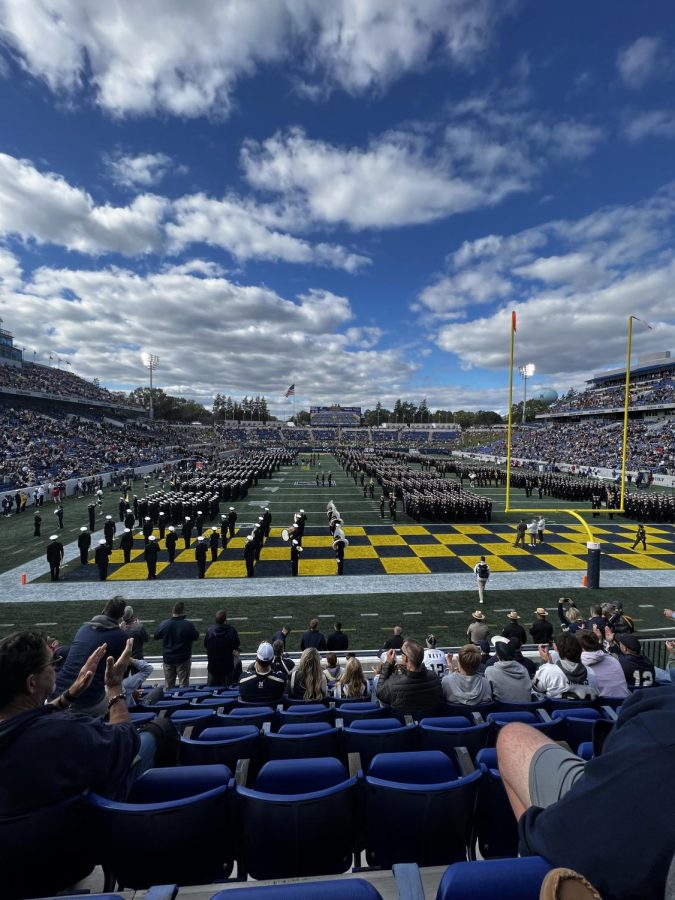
{"points": [[332, 670], [413, 689], [631, 780], [101, 630], [570, 617], [509, 679], [562, 675], [606, 668], [262, 685], [353, 682], [137, 674], [637, 668], [48, 754], [434, 659], [465, 685], [282, 663], [307, 680]]}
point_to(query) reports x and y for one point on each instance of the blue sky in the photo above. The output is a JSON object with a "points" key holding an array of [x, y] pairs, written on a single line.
{"points": [[351, 196]]}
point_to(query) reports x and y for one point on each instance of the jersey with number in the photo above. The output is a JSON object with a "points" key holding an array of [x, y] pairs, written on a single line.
{"points": [[434, 660]]}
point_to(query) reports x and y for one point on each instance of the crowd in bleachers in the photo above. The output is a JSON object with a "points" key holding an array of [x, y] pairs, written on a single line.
{"points": [[642, 393], [586, 444], [59, 382], [38, 448]]}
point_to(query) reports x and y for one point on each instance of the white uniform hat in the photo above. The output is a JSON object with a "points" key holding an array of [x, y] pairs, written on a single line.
{"points": [[102, 541], [232, 509], [152, 538], [200, 538], [171, 528], [108, 517], [147, 519], [127, 530], [53, 537], [83, 527]]}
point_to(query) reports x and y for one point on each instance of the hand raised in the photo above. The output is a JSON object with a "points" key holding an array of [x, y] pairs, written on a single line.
{"points": [[87, 671], [115, 670]]}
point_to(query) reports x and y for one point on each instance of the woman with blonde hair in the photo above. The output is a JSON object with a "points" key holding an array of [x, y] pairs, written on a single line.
{"points": [[353, 682], [307, 680]]}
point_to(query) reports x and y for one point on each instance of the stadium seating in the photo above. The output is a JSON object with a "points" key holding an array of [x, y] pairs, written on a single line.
{"points": [[538, 719], [223, 745], [312, 712], [372, 736], [254, 715], [508, 879], [307, 806], [495, 830], [445, 733], [309, 739], [165, 807], [426, 790]]}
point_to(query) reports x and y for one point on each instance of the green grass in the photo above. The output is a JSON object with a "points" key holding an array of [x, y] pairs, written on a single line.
{"points": [[265, 615]]}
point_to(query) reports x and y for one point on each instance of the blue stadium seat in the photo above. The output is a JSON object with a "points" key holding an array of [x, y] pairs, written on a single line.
{"points": [[311, 712], [141, 718], [166, 807], [210, 702], [289, 702], [585, 750], [307, 806], [426, 789], [495, 829], [553, 704], [251, 715], [460, 709], [369, 737], [296, 741], [508, 879], [532, 706], [538, 720], [352, 712], [224, 745], [447, 732], [52, 829], [575, 725], [197, 718], [355, 888]]}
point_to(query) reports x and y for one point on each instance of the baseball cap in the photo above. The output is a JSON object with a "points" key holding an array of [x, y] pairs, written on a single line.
{"points": [[265, 653], [629, 640]]}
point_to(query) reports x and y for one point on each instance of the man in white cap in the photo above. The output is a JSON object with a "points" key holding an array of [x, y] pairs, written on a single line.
{"points": [[127, 544], [147, 528], [83, 544], [171, 541], [151, 553], [296, 550], [262, 685], [186, 531], [300, 523], [200, 556], [224, 531], [101, 558], [109, 530], [54, 556], [249, 556], [231, 521]]}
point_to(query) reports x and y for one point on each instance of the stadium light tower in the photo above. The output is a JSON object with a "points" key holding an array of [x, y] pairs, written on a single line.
{"points": [[527, 371], [150, 361]]}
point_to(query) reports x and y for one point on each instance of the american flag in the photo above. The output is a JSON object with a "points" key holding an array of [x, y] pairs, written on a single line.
{"points": [[290, 392]]}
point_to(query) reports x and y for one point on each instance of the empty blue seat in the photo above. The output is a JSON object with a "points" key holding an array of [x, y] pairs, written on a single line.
{"points": [[575, 725], [310, 712], [553, 704], [352, 712], [141, 718], [368, 737], [585, 750], [428, 790], [460, 709], [495, 830], [165, 806], [224, 745], [447, 732], [197, 718], [289, 702], [534, 719], [295, 741], [308, 806], [508, 879], [249, 715], [503, 706], [355, 888]]}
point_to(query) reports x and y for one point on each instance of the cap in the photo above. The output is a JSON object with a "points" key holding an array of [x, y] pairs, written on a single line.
{"points": [[83, 527], [161, 514], [152, 538], [188, 519], [250, 537], [223, 516], [147, 519], [200, 537], [232, 509], [513, 615], [199, 512], [477, 615], [102, 541], [302, 511], [499, 639], [267, 509], [127, 530], [108, 517], [630, 641], [540, 611], [265, 653], [171, 528], [53, 537]]}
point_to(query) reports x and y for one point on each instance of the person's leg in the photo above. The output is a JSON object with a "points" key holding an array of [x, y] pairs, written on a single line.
{"points": [[481, 590], [169, 675], [184, 673]]}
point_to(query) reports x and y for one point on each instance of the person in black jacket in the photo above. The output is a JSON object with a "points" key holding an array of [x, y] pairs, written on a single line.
{"points": [[170, 543], [186, 531], [101, 558], [514, 629], [413, 689], [231, 521], [249, 556], [395, 642], [313, 637], [54, 556], [83, 544], [37, 524], [221, 643], [126, 544], [214, 541], [201, 550], [109, 530], [338, 640], [541, 629], [177, 636], [263, 685]]}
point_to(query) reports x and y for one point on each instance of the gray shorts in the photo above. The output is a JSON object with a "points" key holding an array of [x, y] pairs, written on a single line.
{"points": [[553, 771]]}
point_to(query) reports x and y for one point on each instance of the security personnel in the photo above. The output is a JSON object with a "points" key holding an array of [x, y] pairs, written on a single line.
{"points": [[54, 556], [296, 550], [213, 544], [171, 541], [200, 556], [126, 544], [640, 537], [231, 520], [83, 545], [258, 540], [151, 553], [392, 506], [109, 530], [37, 524], [249, 556], [186, 531], [101, 558]]}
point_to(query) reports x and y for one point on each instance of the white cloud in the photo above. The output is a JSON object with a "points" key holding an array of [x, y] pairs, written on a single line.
{"points": [[573, 284], [166, 55], [45, 208], [210, 333], [11, 276], [143, 170], [642, 61], [655, 123]]}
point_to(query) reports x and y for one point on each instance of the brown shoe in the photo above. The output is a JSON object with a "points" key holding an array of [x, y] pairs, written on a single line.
{"points": [[565, 884]]}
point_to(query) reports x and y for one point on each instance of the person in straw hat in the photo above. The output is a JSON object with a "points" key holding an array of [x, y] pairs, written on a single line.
{"points": [[478, 630], [541, 629], [513, 629]]}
